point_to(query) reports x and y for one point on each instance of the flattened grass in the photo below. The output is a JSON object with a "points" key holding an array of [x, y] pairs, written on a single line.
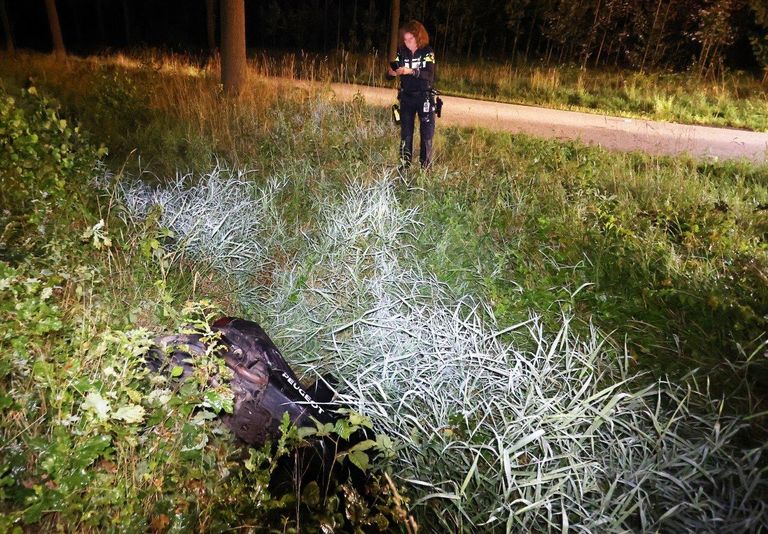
{"points": [[527, 427], [668, 255]]}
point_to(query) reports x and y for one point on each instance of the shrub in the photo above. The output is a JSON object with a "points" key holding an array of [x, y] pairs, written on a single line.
{"points": [[44, 157]]}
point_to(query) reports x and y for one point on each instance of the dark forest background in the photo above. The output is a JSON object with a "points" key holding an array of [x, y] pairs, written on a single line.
{"points": [[706, 35]]}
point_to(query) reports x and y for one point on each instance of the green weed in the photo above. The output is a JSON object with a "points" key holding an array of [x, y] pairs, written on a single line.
{"points": [[667, 254], [90, 439]]}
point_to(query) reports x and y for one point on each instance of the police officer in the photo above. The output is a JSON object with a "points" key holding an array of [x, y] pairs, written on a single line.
{"points": [[416, 68]]}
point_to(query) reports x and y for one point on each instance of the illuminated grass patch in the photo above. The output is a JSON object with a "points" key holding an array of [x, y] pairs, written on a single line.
{"points": [[515, 428]]}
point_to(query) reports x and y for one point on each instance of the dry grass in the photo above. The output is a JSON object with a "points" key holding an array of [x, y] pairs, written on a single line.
{"points": [[735, 99]]}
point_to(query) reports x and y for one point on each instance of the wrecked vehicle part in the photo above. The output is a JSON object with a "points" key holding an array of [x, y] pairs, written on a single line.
{"points": [[263, 384]]}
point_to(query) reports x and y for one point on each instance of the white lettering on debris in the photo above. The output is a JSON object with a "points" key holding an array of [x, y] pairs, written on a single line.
{"points": [[303, 393]]}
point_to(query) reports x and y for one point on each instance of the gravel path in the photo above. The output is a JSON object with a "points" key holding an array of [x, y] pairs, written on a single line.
{"points": [[614, 133]]}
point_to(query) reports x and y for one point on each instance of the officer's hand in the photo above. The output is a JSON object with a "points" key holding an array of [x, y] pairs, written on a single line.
{"points": [[405, 70], [392, 72]]}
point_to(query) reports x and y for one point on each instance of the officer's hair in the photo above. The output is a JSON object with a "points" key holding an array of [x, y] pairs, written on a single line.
{"points": [[417, 29]]}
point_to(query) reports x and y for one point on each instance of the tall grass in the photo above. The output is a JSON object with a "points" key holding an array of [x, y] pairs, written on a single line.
{"points": [[412, 293], [736, 99], [671, 250], [237, 243], [514, 428]]}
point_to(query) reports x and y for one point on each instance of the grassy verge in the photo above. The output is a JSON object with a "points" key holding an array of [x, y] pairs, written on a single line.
{"points": [[672, 252], [668, 255], [92, 441], [736, 99]]}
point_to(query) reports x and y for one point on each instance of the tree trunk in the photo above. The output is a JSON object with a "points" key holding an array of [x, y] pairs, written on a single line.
{"points": [[471, 40], [606, 30], [461, 36], [704, 57], [368, 31], [592, 33], [7, 29], [53, 21], [530, 36], [600, 49], [549, 52], [659, 41], [233, 65], [514, 42], [650, 37], [445, 37], [504, 46], [210, 18], [394, 29], [609, 52]]}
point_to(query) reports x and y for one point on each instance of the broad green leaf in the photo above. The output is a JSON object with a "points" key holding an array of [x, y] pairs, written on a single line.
{"points": [[96, 404], [134, 395], [357, 419], [360, 459], [306, 431], [133, 413], [219, 401], [384, 443], [323, 429], [159, 397], [343, 429], [363, 445], [311, 494]]}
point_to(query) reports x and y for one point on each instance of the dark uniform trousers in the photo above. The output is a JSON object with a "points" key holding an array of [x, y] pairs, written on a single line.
{"points": [[412, 104]]}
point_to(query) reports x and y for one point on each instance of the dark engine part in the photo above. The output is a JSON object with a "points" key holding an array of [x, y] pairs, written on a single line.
{"points": [[263, 384]]}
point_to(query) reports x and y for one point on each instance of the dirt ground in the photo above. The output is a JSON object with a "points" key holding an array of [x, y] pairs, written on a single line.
{"points": [[613, 133]]}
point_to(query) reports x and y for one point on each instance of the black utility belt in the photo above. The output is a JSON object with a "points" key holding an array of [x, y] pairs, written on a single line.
{"points": [[424, 94], [432, 101]]}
